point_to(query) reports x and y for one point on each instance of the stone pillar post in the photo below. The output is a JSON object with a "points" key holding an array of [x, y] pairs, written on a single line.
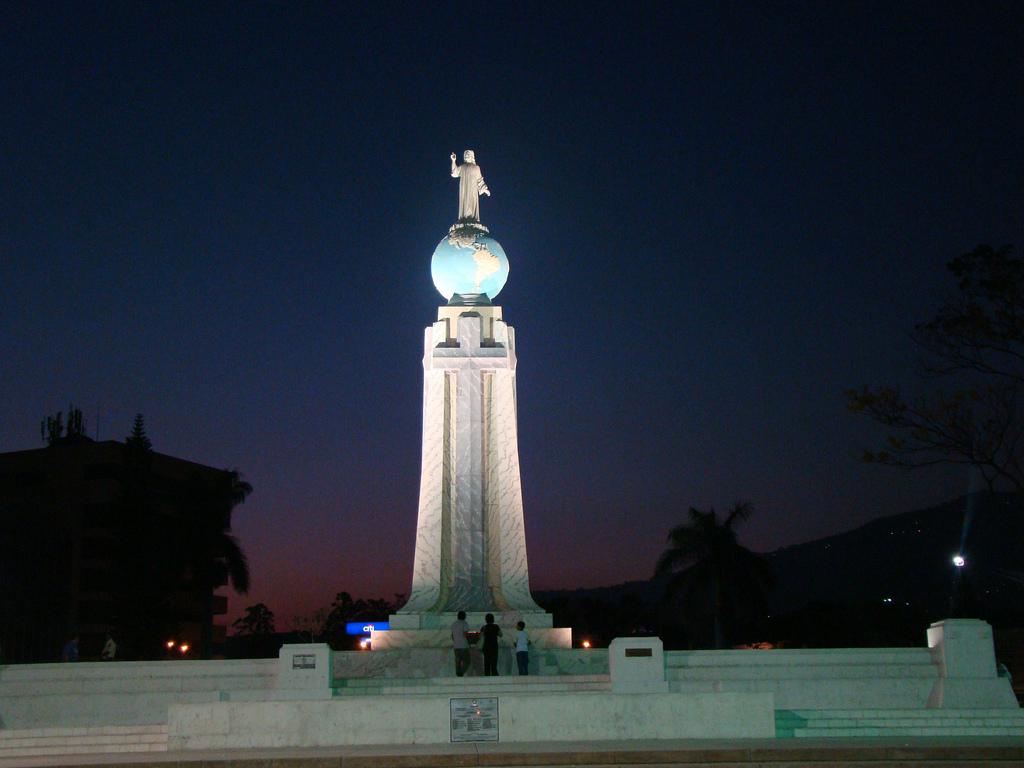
{"points": [[305, 667], [964, 655], [637, 665]]}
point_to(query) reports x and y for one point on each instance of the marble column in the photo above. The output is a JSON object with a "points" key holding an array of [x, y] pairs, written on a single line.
{"points": [[470, 537]]}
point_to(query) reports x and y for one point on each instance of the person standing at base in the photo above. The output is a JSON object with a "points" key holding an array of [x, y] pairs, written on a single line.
{"points": [[70, 650], [522, 649], [109, 649], [460, 644], [491, 632]]}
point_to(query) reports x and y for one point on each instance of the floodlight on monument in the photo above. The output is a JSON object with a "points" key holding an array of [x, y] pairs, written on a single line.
{"points": [[958, 561]]}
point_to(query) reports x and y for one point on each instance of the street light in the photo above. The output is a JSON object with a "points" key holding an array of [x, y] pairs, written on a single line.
{"points": [[959, 592]]}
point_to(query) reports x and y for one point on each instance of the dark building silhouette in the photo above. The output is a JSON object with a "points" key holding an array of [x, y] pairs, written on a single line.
{"points": [[90, 544]]}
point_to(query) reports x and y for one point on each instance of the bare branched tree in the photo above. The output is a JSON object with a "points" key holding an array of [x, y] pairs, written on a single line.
{"points": [[974, 345]]}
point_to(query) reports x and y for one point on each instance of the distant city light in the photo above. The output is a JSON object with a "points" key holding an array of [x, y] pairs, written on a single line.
{"points": [[886, 599], [183, 648], [586, 643], [170, 643], [958, 561], [364, 643]]}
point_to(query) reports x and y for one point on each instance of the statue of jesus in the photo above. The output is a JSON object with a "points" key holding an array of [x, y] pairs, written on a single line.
{"points": [[471, 186]]}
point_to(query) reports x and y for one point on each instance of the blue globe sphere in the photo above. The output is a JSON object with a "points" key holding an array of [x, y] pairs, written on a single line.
{"points": [[469, 261]]}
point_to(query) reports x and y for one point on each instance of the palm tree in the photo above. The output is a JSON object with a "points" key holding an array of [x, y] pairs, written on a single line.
{"points": [[708, 568], [210, 554]]}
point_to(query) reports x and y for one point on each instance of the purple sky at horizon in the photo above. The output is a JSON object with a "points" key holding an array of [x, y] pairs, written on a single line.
{"points": [[718, 218]]}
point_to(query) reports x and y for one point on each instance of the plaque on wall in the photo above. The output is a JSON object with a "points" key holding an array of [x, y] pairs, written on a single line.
{"points": [[474, 719], [304, 661], [633, 652]]}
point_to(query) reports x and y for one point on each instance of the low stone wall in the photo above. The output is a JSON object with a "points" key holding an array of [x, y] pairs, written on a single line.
{"points": [[956, 671], [121, 693], [427, 720], [419, 663], [833, 678]]}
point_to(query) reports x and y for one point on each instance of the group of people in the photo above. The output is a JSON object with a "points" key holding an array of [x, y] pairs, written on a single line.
{"points": [[489, 633]]}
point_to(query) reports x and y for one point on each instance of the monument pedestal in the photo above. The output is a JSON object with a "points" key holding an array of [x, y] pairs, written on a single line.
{"points": [[551, 637], [433, 630], [470, 537]]}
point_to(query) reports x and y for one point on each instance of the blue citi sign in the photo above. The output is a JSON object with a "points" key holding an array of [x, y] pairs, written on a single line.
{"points": [[365, 627]]}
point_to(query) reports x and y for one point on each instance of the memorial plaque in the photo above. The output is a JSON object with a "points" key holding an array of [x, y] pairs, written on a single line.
{"points": [[474, 719], [304, 661], [634, 652]]}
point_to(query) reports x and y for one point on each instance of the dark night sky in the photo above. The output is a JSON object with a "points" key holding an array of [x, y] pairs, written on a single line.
{"points": [[718, 217]]}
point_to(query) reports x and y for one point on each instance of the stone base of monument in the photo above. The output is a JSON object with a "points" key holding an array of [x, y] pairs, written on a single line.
{"points": [[310, 696], [433, 630], [560, 637], [506, 620], [418, 662]]}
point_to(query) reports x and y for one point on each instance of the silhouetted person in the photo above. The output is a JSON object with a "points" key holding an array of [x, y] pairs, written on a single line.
{"points": [[522, 649], [460, 644], [490, 633], [70, 651], [109, 649]]}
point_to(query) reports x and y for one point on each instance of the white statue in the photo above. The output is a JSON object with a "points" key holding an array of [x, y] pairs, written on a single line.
{"points": [[471, 186]]}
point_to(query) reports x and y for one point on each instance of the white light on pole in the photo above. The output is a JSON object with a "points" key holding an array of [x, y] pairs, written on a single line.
{"points": [[958, 561]]}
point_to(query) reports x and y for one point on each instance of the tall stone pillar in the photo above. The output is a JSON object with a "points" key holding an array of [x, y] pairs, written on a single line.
{"points": [[470, 540], [470, 535]]}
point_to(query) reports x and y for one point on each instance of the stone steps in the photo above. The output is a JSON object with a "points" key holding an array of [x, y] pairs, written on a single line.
{"points": [[42, 742], [472, 685], [849, 723], [798, 656], [801, 673]]}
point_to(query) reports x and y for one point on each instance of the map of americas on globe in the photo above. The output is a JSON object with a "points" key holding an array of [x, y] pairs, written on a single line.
{"points": [[469, 261]]}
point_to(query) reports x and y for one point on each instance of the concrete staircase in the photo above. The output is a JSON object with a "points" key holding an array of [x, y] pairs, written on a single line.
{"points": [[44, 742], [857, 723], [816, 679], [472, 686]]}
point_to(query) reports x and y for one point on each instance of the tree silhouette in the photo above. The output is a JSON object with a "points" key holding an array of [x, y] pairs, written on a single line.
{"points": [[975, 341], [258, 620], [52, 429], [711, 572], [147, 571], [137, 440], [212, 557], [345, 609]]}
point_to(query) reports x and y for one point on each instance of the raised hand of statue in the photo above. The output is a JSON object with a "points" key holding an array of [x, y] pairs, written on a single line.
{"points": [[453, 157]]}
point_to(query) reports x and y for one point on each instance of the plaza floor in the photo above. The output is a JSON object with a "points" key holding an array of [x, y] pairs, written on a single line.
{"points": [[953, 752]]}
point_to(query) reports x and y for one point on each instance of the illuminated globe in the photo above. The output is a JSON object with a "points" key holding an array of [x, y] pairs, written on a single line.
{"points": [[468, 262]]}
